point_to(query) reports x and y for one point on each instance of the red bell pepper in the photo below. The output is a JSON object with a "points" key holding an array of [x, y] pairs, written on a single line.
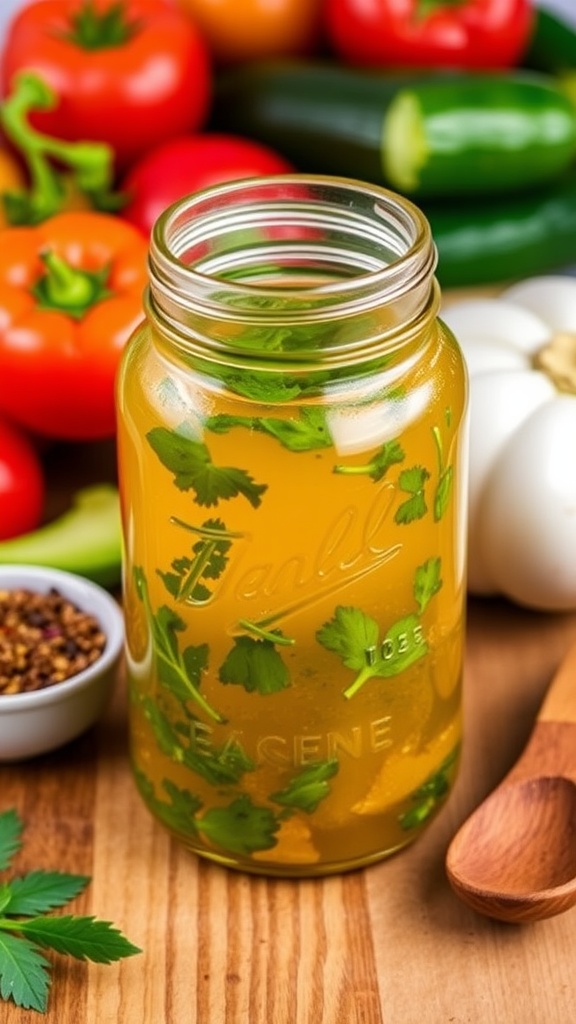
{"points": [[70, 296], [462, 34], [129, 73]]}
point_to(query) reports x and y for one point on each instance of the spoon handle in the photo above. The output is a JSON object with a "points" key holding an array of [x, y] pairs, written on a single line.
{"points": [[559, 705]]}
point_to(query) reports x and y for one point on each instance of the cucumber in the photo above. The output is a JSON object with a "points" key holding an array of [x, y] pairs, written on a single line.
{"points": [[490, 241], [424, 135]]}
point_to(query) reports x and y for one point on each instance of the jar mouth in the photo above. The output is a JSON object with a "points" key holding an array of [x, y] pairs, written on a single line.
{"points": [[292, 268], [292, 240]]}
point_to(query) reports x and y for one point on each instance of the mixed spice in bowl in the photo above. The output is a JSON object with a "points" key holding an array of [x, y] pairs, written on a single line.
{"points": [[61, 638]]}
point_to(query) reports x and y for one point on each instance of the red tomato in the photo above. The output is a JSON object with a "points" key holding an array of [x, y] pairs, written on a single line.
{"points": [[130, 74], [22, 485], [188, 164], [429, 33], [239, 30]]}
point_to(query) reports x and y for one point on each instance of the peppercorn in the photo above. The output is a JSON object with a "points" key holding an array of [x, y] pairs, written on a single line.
{"points": [[44, 639]]}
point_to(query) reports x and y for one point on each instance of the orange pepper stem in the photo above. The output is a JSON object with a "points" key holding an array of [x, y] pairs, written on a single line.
{"points": [[69, 289]]}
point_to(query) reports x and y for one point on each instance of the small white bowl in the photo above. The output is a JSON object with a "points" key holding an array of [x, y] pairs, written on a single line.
{"points": [[38, 721]]}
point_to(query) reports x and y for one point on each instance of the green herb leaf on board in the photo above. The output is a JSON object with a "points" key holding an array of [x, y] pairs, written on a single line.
{"points": [[25, 928]]}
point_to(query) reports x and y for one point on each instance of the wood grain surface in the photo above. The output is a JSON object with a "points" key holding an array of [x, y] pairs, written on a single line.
{"points": [[387, 945]]}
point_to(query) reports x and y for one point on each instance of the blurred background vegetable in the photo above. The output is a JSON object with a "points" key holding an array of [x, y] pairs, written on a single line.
{"points": [[430, 33], [84, 539], [426, 136], [70, 296], [241, 30], [520, 348], [130, 74], [22, 482], [189, 163], [483, 241]]}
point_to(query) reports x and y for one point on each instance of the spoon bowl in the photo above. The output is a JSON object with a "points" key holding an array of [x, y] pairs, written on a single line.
{"points": [[514, 859]]}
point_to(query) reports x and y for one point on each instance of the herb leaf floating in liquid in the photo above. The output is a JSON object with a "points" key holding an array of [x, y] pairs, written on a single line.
{"points": [[256, 665], [345, 635], [355, 636], [427, 796], [427, 582], [178, 670], [412, 481], [217, 767], [445, 474], [390, 453], [190, 463], [24, 971], [307, 789], [240, 827], [307, 433], [187, 581]]}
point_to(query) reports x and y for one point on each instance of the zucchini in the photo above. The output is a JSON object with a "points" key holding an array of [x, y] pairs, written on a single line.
{"points": [[497, 240], [425, 135]]}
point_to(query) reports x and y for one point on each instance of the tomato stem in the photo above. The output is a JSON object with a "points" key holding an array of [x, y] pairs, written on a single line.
{"points": [[426, 8], [91, 163], [101, 30], [69, 289]]}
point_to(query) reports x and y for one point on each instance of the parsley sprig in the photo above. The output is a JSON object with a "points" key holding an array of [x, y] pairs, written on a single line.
{"points": [[445, 473], [390, 453], [179, 670], [433, 790], [355, 636], [190, 576], [26, 928], [305, 433], [238, 827], [191, 465], [256, 665]]}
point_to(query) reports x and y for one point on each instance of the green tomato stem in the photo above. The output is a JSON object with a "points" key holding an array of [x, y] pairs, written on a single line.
{"points": [[91, 29]]}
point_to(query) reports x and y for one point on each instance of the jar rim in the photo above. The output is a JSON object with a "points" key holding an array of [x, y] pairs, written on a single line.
{"points": [[180, 224]]}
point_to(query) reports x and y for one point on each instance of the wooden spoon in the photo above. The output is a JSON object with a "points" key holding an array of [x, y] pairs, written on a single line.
{"points": [[514, 858]]}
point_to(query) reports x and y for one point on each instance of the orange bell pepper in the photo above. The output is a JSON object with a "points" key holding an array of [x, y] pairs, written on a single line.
{"points": [[70, 296]]}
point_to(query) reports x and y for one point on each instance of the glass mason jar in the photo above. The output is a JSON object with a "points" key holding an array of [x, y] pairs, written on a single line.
{"points": [[292, 454]]}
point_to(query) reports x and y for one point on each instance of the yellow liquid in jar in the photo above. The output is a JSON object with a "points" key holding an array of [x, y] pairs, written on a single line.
{"points": [[303, 756]]}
